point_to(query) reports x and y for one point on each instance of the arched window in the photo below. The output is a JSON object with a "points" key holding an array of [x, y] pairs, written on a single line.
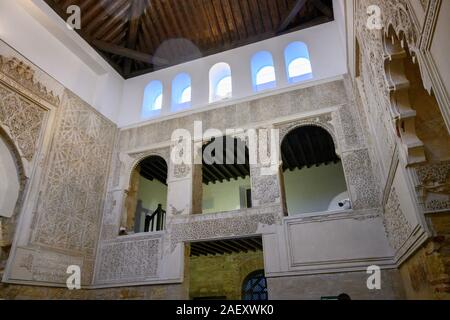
{"points": [[153, 99], [146, 200], [255, 287], [220, 82], [181, 92], [313, 174], [298, 64], [263, 71]]}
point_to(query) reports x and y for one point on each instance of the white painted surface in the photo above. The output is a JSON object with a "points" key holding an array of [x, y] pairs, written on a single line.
{"points": [[440, 47], [326, 64], [9, 182], [34, 30], [221, 197], [313, 189]]}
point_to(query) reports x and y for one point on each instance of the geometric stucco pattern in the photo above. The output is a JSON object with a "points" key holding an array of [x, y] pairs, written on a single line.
{"points": [[22, 119], [360, 178], [226, 224], [434, 185], [69, 210], [130, 260], [397, 227]]}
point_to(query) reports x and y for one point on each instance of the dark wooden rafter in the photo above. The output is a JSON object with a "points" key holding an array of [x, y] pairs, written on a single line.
{"points": [[233, 166], [141, 36], [296, 8], [154, 167], [306, 147], [228, 246]]}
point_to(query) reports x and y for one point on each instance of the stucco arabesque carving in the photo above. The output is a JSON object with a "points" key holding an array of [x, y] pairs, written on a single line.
{"points": [[220, 225], [21, 73], [398, 228], [434, 179]]}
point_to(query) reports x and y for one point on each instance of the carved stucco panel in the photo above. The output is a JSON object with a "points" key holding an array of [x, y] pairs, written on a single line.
{"points": [[360, 179], [23, 120], [230, 224], [134, 259], [71, 201], [398, 228], [434, 185]]}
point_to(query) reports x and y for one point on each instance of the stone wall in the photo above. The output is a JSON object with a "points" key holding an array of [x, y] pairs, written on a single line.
{"points": [[222, 275], [313, 287], [162, 292]]}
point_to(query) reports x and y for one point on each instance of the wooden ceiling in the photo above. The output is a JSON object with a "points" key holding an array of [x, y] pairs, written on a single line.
{"points": [[141, 36], [153, 167], [306, 147], [239, 162], [230, 246]]}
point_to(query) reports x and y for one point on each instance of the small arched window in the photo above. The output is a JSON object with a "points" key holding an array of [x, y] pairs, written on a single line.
{"points": [[263, 71], [153, 99], [298, 64], [220, 82], [255, 287], [181, 92]]}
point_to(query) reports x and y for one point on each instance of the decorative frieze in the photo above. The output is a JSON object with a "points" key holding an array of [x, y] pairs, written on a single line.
{"points": [[23, 74], [229, 224]]}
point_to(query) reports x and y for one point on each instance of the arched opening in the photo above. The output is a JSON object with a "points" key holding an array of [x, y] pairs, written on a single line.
{"points": [[225, 175], [153, 99], [254, 287], [181, 92], [263, 71], [147, 197], [313, 175], [10, 193], [298, 64], [220, 82]]}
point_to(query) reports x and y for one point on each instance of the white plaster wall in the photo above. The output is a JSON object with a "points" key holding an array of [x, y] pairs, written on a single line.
{"points": [[221, 197], [327, 54], [327, 242], [152, 193], [440, 47], [9, 182], [34, 30], [312, 189]]}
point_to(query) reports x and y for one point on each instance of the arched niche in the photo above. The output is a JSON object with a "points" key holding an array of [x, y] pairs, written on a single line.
{"points": [[312, 172], [225, 176], [146, 196], [12, 184]]}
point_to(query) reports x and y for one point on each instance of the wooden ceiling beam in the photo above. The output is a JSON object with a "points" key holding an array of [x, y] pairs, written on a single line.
{"points": [[117, 19], [230, 20], [326, 10], [295, 10], [257, 17], [238, 18], [103, 16]]}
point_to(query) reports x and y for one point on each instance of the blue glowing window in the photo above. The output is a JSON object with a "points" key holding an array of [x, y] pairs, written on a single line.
{"points": [[263, 71], [298, 64], [181, 92], [220, 82], [153, 99]]}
